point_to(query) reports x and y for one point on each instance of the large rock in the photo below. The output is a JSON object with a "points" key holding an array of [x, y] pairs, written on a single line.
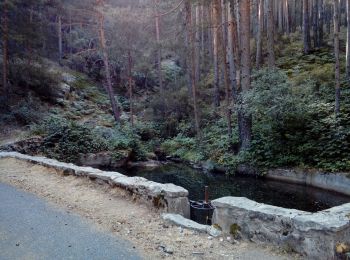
{"points": [[313, 235]]}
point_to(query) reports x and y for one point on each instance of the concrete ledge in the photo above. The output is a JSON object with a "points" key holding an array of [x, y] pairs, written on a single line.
{"points": [[338, 182], [313, 235], [174, 199]]}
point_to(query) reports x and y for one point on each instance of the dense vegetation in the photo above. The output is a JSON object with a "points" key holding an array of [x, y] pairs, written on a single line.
{"points": [[93, 76]]}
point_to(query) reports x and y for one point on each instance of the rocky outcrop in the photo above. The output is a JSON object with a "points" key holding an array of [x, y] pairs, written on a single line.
{"points": [[28, 146], [338, 182], [104, 159], [314, 235], [166, 197]]}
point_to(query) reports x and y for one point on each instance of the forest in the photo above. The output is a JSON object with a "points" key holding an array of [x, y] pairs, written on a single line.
{"points": [[258, 83]]}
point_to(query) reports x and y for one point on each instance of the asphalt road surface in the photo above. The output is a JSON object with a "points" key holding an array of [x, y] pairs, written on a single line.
{"points": [[32, 229]]}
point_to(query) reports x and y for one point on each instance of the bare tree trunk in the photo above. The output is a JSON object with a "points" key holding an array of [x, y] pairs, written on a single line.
{"points": [[216, 24], [336, 54], [159, 57], [197, 43], [280, 16], [59, 31], [210, 31], [286, 17], [116, 112], [5, 48], [233, 50], [270, 35], [321, 23], [224, 57], [306, 27], [193, 64], [348, 40], [245, 121], [260, 32], [187, 58], [315, 24], [131, 100]]}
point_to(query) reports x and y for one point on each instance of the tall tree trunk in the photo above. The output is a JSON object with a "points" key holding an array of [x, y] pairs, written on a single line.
{"points": [[5, 48], [287, 17], [216, 24], [193, 64], [187, 57], [321, 23], [260, 32], [198, 42], [116, 112], [131, 100], [280, 16], [348, 40], [270, 35], [306, 27], [315, 24], [336, 55], [59, 31], [245, 121], [159, 57], [233, 51], [225, 65]]}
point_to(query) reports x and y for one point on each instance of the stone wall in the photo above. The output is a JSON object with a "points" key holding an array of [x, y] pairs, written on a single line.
{"points": [[339, 182], [169, 197], [313, 235]]}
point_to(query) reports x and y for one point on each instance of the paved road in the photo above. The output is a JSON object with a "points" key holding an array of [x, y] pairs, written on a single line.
{"points": [[32, 229]]}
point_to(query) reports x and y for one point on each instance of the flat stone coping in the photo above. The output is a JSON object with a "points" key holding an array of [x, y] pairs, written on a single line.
{"points": [[333, 219], [338, 182], [314, 235], [137, 185]]}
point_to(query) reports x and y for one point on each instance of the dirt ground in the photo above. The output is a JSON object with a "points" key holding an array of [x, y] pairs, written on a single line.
{"points": [[114, 211]]}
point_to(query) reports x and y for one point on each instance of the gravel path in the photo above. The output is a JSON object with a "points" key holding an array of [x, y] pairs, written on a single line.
{"points": [[115, 213]]}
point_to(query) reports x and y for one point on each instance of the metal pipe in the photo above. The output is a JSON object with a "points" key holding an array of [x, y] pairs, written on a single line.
{"points": [[206, 195]]}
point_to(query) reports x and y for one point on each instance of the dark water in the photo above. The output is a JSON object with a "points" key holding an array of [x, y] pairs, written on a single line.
{"points": [[265, 191]]}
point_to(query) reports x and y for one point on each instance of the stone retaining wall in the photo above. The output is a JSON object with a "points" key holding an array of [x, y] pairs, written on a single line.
{"points": [[171, 198], [339, 182], [313, 235]]}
